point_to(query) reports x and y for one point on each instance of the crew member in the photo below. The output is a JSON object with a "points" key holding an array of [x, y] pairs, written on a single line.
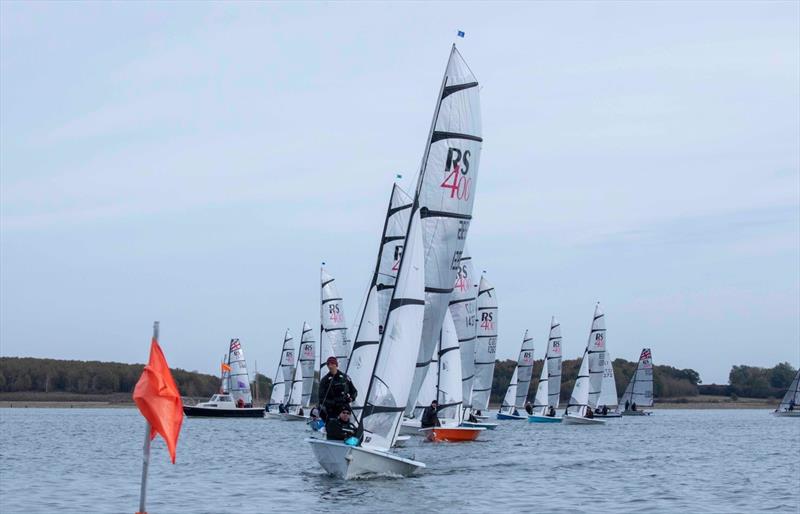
{"points": [[429, 417], [340, 427], [336, 391]]}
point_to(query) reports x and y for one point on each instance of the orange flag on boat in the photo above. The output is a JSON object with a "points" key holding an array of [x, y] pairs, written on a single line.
{"points": [[159, 400], [225, 367]]}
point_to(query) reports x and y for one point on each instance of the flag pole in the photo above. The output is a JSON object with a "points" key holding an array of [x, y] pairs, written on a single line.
{"points": [[146, 450]]}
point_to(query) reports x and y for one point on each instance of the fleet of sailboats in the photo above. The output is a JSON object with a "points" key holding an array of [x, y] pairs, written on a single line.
{"points": [[428, 329]]}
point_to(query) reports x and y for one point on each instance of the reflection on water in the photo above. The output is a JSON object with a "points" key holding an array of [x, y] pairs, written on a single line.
{"points": [[89, 460]]}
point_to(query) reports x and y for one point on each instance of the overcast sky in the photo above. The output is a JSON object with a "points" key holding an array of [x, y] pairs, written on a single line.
{"points": [[194, 164]]}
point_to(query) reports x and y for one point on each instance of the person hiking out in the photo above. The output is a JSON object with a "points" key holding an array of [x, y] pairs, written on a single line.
{"points": [[336, 390], [340, 427], [429, 418], [528, 408]]}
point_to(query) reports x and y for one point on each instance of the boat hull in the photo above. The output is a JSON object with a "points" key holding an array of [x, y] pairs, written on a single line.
{"points": [[410, 427], [787, 414], [636, 413], [533, 418], [348, 462], [451, 434], [609, 415], [578, 420], [503, 416], [293, 417], [487, 426], [213, 412], [272, 415]]}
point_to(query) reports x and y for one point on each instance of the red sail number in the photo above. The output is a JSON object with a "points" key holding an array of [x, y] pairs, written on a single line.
{"points": [[458, 184]]}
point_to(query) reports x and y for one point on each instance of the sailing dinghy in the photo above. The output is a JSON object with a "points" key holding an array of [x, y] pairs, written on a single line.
{"points": [[517, 393], [448, 390], [298, 403], [486, 347], [639, 392], [789, 405], [279, 396], [391, 378], [579, 409], [548, 392], [236, 400]]}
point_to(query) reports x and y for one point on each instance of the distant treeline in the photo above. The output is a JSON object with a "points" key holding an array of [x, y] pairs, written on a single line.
{"points": [[753, 382], [668, 382], [24, 374]]}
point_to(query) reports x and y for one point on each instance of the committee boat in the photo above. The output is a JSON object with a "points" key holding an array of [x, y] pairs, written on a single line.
{"points": [[235, 401], [788, 407], [548, 392], [639, 392], [579, 409]]}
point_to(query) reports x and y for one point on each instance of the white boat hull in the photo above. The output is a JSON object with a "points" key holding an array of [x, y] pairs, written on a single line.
{"points": [[294, 417], [272, 415], [348, 462], [787, 414], [579, 420], [410, 427]]}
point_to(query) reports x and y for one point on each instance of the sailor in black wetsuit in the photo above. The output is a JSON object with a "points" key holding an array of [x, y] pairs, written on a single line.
{"points": [[340, 428], [429, 418], [336, 391]]}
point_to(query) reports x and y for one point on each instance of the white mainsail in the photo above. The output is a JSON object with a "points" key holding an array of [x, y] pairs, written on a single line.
{"points": [[551, 368], [376, 306], [283, 376], [486, 345], [333, 340], [608, 387], [640, 388], [428, 392], [596, 351], [239, 380], [388, 391], [790, 399], [449, 388], [524, 371], [463, 309], [295, 400], [445, 195], [308, 355]]}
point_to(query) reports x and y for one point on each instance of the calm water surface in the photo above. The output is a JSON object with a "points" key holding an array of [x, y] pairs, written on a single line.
{"points": [[89, 460]]}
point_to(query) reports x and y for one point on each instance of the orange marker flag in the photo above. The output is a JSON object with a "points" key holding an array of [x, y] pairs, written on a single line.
{"points": [[225, 367], [159, 400]]}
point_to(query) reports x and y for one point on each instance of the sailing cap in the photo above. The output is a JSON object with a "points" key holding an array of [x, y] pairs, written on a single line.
{"points": [[332, 360]]}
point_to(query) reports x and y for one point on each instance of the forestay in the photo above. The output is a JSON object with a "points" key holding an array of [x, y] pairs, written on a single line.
{"points": [[333, 340], [388, 391], [376, 306], [640, 388], [486, 345], [548, 393], [239, 379], [463, 309], [596, 351], [445, 192]]}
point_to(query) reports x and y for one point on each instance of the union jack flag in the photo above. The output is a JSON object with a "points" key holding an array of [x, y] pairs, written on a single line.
{"points": [[645, 354], [235, 345]]}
